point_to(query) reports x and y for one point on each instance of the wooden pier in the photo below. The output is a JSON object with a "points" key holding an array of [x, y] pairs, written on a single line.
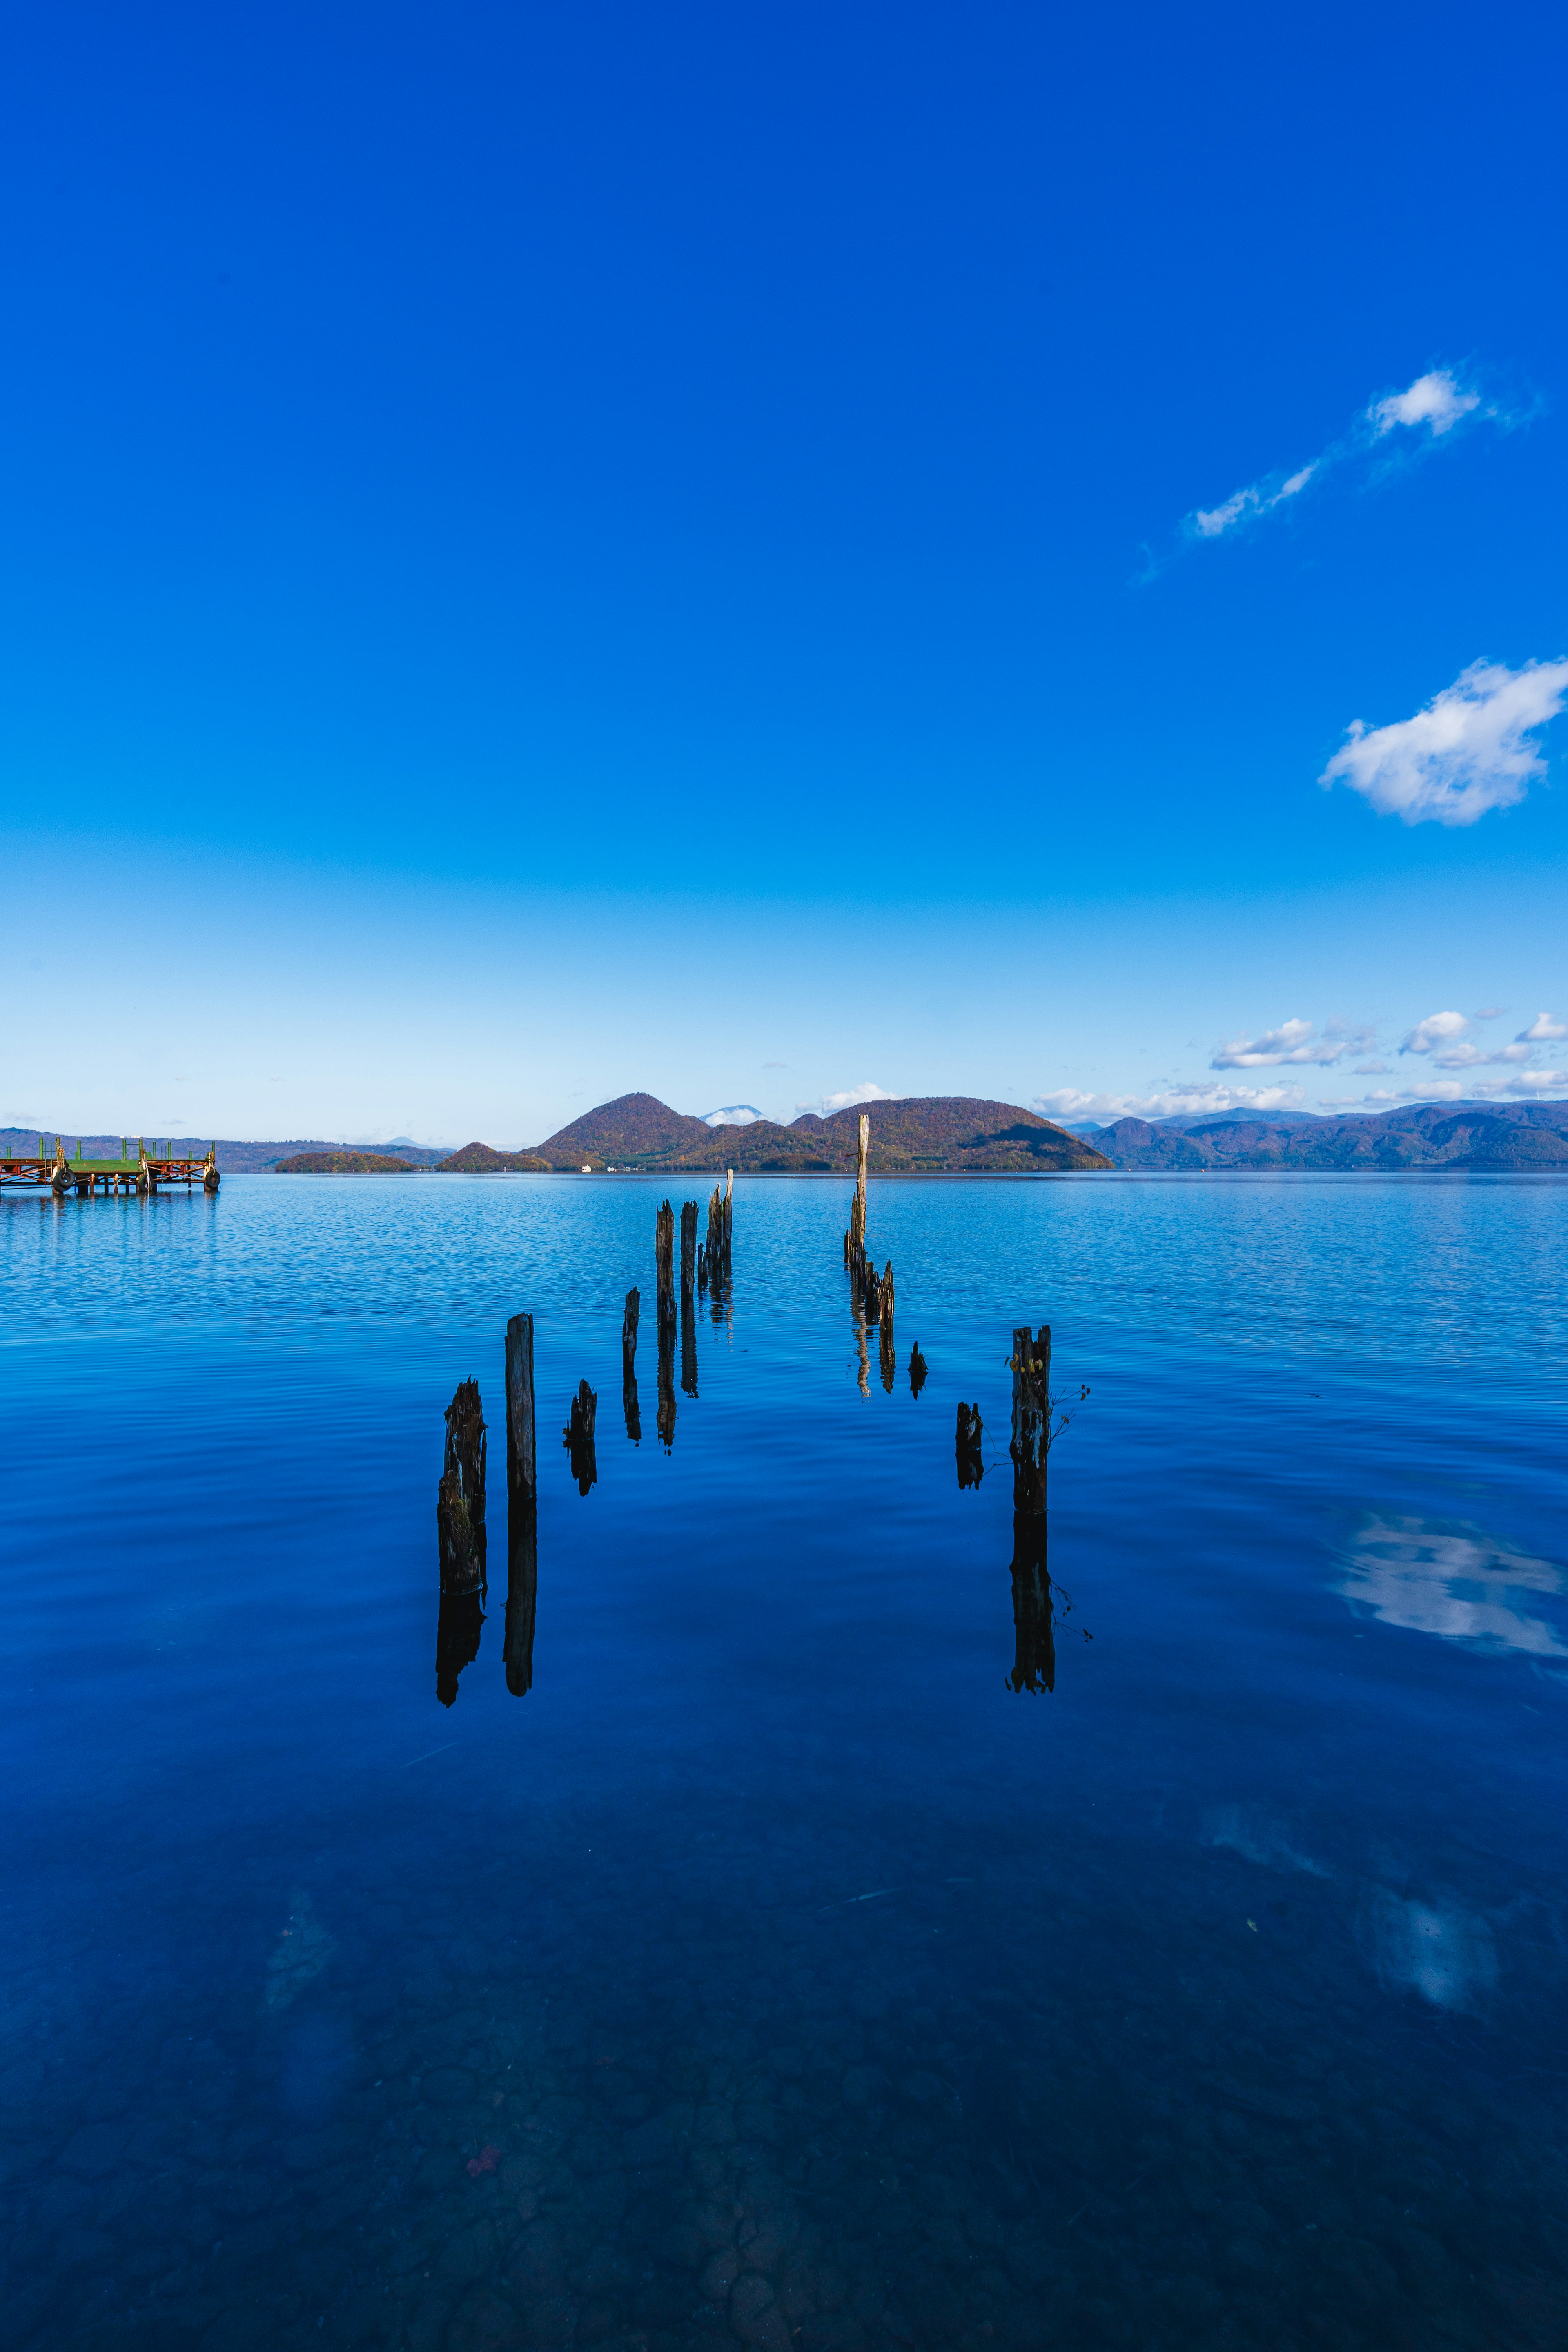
{"points": [[142, 1169]]}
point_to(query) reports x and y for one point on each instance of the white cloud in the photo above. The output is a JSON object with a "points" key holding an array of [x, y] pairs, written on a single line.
{"points": [[1435, 1031], [1293, 1041], [850, 1096], [1541, 1029], [1467, 752], [1522, 1086], [1441, 1035], [1372, 1069], [1422, 415], [1434, 399], [1174, 1102]]}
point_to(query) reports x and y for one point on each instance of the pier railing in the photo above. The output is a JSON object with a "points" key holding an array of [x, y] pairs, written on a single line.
{"points": [[142, 1169]]}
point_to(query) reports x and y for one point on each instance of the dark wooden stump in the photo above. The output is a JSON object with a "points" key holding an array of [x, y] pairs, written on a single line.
{"points": [[460, 1497], [629, 1405], [918, 1371], [688, 1253], [664, 1260], [971, 1468], [522, 1476], [1031, 1366], [578, 1437]]}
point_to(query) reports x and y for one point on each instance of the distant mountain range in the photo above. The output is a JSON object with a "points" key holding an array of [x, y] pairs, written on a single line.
{"points": [[939, 1132], [929, 1132], [1477, 1135]]}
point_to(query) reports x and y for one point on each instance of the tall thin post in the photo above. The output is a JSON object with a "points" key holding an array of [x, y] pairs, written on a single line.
{"points": [[522, 1476], [729, 1215], [629, 1405], [1031, 1416], [688, 1253], [664, 1260]]}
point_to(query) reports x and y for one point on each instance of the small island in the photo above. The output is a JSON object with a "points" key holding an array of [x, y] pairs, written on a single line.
{"points": [[347, 1163]]}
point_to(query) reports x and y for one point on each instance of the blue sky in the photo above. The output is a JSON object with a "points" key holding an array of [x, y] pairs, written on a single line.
{"points": [[766, 555]]}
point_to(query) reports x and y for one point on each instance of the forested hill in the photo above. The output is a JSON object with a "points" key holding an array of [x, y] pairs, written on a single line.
{"points": [[1421, 1135], [930, 1132]]}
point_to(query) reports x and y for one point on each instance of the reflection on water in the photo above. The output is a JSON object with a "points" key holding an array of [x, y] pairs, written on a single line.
{"points": [[1437, 1949], [1436, 1576], [1258, 1835], [522, 1590], [729, 1993], [457, 1640]]}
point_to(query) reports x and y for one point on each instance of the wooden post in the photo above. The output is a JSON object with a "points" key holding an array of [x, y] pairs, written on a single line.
{"points": [[578, 1437], [917, 1370], [688, 1254], [522, 1476], [460, 1497], [885, 1321], [729, 1215], [664, 1259], [971, 1469], [629, 1405], [1031, 1365]]}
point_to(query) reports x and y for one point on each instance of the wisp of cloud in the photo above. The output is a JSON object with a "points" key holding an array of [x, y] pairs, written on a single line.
{"points": [[1391, 431]]}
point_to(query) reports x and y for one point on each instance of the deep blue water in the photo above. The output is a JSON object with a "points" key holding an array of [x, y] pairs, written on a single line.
{"points": [[777, 1972]]}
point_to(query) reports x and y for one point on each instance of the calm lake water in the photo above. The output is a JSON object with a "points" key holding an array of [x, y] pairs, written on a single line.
{"points": [[789, 1966]]}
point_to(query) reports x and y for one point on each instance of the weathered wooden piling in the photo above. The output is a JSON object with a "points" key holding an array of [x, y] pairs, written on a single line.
{"points": [[629, 1405], [688, 1253], [918, 1371], [1031, 1366], [521, 1480], [578, 1437], [856, 1236], [710, 1269], [664, 1260], [460, 1497], [885, 1331], [729, 1205], [971, 1468]]}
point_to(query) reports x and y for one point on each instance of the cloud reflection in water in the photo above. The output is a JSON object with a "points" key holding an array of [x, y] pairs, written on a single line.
{"points": [[1437, 1576]]}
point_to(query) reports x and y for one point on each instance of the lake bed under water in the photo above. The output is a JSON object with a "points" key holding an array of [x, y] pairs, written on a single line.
{"points": [[789, 1966]]}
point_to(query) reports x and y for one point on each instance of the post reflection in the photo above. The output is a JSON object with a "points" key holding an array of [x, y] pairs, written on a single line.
{"points": [[457, 1640], [1034, 1614], [666, 1416], [522, 1592]]}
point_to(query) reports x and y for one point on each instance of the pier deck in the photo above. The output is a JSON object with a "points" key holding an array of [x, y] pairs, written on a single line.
{"points": [[141, 1171]]}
